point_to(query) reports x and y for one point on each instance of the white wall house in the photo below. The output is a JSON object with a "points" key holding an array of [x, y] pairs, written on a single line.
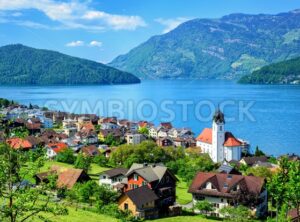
{"points": [[135, 139], [153, 132], [112, 177], [219, 144], [225, 187]]}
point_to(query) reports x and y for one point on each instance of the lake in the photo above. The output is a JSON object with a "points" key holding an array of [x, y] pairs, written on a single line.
{"points": [[264, 115]]}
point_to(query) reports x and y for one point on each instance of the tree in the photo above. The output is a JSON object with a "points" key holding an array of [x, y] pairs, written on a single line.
{"points": [[238, 214], [83, 162], [260, 171], [259, 152], [20, 201], [100, 160], [66, 156], [144, 131], [294, 185], [20, 132], [204, 207], [278, 186]]}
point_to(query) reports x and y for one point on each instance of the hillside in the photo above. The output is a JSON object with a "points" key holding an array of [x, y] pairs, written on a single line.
{"points": [[225, 48], [20, 65], [286, 72]]}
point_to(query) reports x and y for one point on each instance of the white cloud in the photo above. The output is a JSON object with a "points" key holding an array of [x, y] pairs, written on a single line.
{"points": [[171, 24], [95, 43], [115, 21], [76, 15], [16, 14], [75, 43]]}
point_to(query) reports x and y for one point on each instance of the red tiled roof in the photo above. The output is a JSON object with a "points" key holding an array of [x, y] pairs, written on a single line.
{"points": [[58, 147], [224, 183], [19, 143], [33, 126], [205, 136], [166, 125], [68, 177], [230, 140]]}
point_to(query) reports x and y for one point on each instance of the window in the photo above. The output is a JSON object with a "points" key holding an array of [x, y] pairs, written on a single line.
{"points": [[229, 177], [144, 183], [221, 128], [222, 200], [125, 206], [225, 185], [167, 179], [104, 177], [135, 177]]}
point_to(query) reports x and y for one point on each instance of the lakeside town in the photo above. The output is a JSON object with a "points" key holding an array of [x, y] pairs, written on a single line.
{"points": [[136, 171]]}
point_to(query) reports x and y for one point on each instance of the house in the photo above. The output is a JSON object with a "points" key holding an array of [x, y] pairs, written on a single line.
{"points": [[109, 126], [153, 132], [54, 148], [87, 137], [141, 202], [69, 123], [70, 131], [228, 169], [180, 142], [33, 128], [250, 161], [102, 120], [158, 178], [166, 125], [90, 151], [219, 144], [144, 124], [166, 141], [135, 139], [67, 178], [112, 177], [162, 132], [223, 190], [116, 133], [19, 143], [47, 123], [180, 133]]}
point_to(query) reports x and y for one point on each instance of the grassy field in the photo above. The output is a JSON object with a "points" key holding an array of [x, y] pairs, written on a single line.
{"points": [[182, 195], [80, 216], [184, 219]]}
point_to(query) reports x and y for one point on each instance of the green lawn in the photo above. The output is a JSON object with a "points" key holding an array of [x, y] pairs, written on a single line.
{"points": [[80, 216], [182, 195], [196, 218]]}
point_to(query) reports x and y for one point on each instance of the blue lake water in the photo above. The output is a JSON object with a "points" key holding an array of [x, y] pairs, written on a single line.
{"points": [[272, 122]]}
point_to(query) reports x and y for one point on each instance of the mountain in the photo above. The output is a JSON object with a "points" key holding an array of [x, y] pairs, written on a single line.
{"points": [[20, 65], [225, 48], [286, 72]]}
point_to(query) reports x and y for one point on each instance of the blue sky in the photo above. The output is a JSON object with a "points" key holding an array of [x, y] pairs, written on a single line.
{"points": [[100, 30]]}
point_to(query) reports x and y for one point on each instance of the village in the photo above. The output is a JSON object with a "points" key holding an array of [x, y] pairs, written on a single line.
{"points": [[147, 171]]}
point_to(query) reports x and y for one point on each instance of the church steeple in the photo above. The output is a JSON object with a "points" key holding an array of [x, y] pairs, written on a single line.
{"points": [[218, 117]]}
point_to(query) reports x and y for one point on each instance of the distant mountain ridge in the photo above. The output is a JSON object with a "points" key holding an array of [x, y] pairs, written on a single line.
{"points": [[225, 48], [22, 65], [286, 72]]}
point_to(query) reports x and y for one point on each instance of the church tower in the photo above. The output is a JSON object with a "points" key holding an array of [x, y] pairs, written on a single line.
{"points": [[218, 136]]}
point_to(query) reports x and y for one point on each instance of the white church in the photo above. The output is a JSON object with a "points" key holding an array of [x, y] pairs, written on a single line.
{"points": [[219, 144]]}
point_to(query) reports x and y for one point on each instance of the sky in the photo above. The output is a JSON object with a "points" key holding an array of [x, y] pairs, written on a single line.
{"points": [[100, 30]]}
